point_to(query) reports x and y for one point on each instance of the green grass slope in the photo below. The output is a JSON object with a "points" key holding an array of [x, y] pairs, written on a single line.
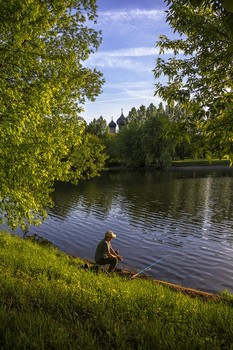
{"points": [[48, 302], [200, 163]]}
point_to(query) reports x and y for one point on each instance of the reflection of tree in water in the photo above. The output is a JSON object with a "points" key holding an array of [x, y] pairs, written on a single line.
{"points": [[90, 195], [148, 196], [151, 196], [64, 199]]}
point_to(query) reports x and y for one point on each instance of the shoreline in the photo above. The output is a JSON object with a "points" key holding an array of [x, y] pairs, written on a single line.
{"points": [[175, 167], [127, 273], [201, 167]]}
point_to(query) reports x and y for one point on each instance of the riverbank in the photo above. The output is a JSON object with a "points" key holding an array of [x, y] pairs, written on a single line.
{"points": [[49, 301], [129, 274], [187, 164], [200, 167], [200, 164]]}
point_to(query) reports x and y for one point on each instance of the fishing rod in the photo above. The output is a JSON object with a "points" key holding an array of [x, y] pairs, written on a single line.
{"points": [[148, 267]]}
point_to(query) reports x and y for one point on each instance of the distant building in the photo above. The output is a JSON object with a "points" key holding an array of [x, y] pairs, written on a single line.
{"points": [[121, 121], [112, 126]]}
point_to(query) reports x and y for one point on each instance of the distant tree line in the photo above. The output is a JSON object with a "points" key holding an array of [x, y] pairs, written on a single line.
{"points": [[152, 137]]}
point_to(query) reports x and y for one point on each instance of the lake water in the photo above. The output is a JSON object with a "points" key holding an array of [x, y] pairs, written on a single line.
{"points": [[185, 213]]}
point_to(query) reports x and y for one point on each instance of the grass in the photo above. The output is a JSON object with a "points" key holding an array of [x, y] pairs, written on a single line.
{"points": [[200, 162], [49, 302]]}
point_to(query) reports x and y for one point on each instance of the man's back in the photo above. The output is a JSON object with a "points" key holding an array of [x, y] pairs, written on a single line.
{"points": [[102, 250]]}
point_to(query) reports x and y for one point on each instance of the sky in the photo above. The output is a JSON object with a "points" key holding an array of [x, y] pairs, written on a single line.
{"points": [[126, 56]]}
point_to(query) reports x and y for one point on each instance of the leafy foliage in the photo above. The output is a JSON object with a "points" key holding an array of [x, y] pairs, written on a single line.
{"points": [[129, 148], [200, 72], [156, 147], [141, 142], [43, 45], [97, 127]]}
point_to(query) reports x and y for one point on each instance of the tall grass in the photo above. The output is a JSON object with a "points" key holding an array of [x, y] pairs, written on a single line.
{"points": [[49, 302]]}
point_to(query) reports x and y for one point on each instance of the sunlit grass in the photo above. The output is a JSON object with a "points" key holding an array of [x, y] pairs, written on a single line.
{"points": [[49, 302], [200, 162]]}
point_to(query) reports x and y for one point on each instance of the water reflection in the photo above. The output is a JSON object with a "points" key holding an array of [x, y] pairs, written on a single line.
{"points": [[141, 194], [154, 213]]}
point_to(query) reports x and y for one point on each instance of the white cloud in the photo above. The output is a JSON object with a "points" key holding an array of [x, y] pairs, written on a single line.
{"points": [[123, 58], [105, 61], [125, 91], [126, 57], [130, 15], [110, 106], [130, 52], [125, 85], [135, 88], [119, 99]]}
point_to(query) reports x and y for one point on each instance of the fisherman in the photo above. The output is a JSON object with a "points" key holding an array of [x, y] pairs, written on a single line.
{"points": [[105, 254]]}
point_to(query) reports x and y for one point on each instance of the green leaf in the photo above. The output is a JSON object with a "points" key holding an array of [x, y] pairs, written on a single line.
{"points": [[43, 84]]}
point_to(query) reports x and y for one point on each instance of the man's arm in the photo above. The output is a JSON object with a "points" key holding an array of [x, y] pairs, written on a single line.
{"points": [[114, 254]]}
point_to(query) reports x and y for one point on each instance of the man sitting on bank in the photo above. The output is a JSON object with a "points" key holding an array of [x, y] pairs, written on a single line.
{"points": [[105, 254]]}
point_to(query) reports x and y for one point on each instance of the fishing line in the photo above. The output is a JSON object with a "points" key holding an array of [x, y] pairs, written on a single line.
{"points": [[157, 261], [149, 266]]}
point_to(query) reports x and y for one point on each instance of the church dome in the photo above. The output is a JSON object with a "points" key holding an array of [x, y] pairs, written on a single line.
{"points": [[122, 120], [112, 124]]}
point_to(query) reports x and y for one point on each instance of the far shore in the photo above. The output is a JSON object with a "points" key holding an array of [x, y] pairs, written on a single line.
{"points": [[177, 167], [201, 167]]}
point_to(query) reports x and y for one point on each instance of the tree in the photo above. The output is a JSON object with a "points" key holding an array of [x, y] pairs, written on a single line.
{"points": [[111, 144], [137, 116], [156, 147], [151, 111], [129, 146], [179, 131], [97, 127], [226, 4], [142, 142], [132, 116], [43, 82], [202, 79]]}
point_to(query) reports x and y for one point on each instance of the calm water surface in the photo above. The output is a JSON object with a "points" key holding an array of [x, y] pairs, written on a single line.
{"points": [[188, 214]]}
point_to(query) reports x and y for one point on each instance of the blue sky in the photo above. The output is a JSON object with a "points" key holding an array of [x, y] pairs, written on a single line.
{"points": [[127, 55]]}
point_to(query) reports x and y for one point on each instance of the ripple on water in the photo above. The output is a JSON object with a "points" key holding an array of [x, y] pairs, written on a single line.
{"points": [[153, 214]]}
